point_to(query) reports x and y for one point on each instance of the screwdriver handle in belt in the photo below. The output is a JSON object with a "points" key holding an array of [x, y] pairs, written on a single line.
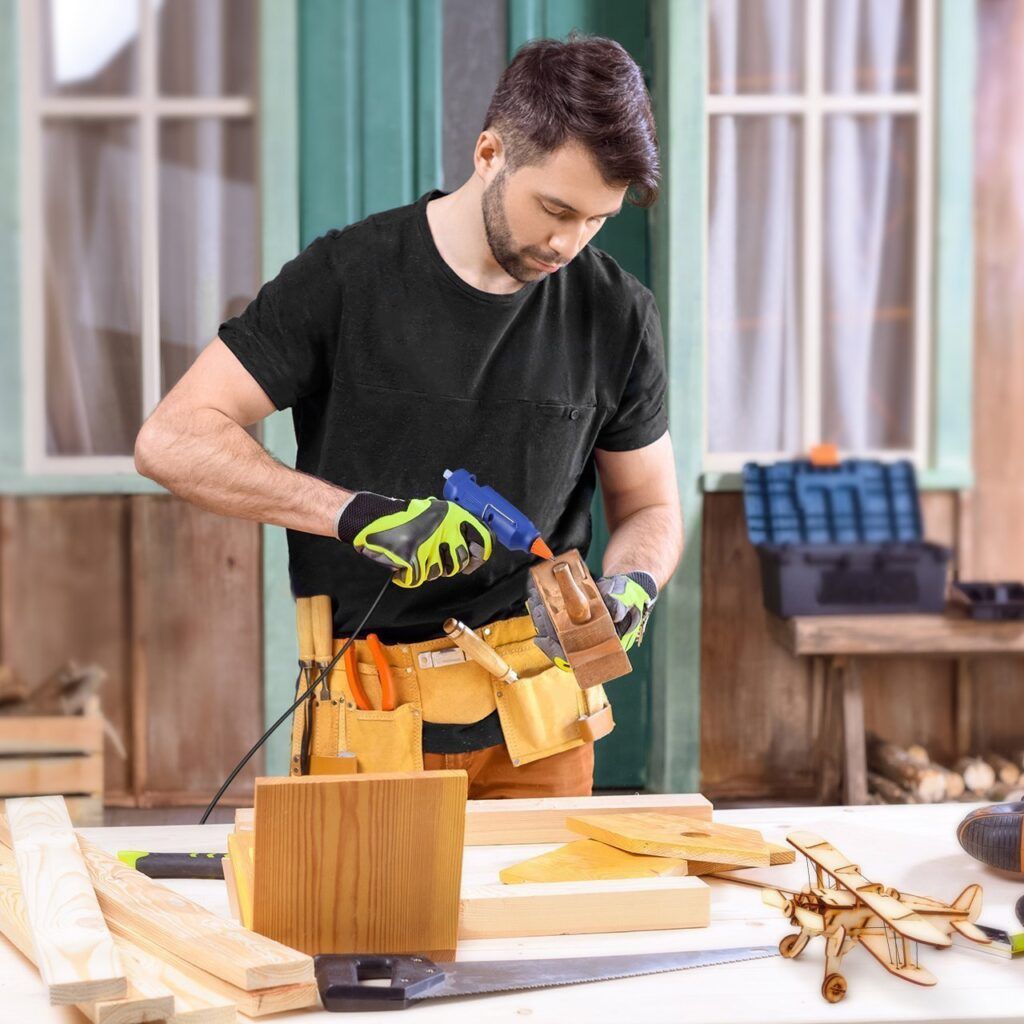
{"points": [[174, 865], [506, 522]]}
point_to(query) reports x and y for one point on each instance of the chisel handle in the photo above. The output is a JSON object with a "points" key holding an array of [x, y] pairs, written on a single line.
{"points": [[304, 628], [323, 628], [479, 651]]}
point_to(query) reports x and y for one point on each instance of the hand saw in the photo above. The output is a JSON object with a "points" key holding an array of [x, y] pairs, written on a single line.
{"points": [[341, 977]]}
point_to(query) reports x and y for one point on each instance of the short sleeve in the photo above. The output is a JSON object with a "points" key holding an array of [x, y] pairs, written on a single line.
{"points": [[641, 417], [286, 336]]}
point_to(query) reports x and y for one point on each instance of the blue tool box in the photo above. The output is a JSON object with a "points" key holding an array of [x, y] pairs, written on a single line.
{"points": [[843, 539]]}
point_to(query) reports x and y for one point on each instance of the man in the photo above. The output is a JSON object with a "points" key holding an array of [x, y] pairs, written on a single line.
{"points": [[476, 329]]}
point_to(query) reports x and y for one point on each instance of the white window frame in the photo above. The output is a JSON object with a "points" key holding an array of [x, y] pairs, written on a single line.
{"points": [[146, 108], [812, 106]]}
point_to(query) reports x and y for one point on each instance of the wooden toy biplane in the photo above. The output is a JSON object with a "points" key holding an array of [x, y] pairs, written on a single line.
{"points": [[846, 909]]}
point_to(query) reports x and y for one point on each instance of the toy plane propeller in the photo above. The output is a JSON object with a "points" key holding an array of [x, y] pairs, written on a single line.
{"points": [[846, 909]]}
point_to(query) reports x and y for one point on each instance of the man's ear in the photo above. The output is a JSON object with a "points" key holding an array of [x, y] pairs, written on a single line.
{"points": [[488, 156]]}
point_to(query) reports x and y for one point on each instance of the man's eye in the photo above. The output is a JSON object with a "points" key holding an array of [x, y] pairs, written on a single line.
{"points": [[554, 213]]}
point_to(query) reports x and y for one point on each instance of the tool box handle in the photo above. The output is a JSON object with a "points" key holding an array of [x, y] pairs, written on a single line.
{"points": [[339, 977]]}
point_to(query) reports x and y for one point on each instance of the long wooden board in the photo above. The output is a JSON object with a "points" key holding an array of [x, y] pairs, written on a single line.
{"points": [[144, 1000], [194, 1002], [542, 820], [360, 863], [578, 908], [140, 908], [587, 860], [671, 835], [158, 919], [75, 953]]}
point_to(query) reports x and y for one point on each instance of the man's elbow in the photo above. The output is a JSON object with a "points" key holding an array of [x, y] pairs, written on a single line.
{"points": [[152, 446]]}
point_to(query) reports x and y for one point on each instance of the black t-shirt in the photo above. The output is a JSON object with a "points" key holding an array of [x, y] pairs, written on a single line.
{"points": [[396, 369]]}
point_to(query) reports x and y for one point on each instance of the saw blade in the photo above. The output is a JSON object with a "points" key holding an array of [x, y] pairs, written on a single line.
{"points": [[474, 978]]}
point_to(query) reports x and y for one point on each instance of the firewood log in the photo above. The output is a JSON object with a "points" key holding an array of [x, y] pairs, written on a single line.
{"points": [[927, 784], [918, 754], [890, 792], [978, 776], [955, 785], [1006, 771]]}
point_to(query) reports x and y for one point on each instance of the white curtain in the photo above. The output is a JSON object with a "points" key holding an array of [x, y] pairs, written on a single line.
{"points": [[756, 221], [207, 215]]}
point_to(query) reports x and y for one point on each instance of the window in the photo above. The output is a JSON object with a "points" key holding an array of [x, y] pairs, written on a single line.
{"points": [[140, 210], [819, 230]]}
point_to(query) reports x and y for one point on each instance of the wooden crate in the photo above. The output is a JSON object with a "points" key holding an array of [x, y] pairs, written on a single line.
{"points": [[55, 754]]}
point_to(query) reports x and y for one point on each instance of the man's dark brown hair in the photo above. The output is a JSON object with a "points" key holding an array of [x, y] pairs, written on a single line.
{"points": [[588, 90]]}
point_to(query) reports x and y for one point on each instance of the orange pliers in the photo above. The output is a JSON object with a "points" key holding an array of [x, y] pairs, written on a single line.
{"points": [[387, 683]]}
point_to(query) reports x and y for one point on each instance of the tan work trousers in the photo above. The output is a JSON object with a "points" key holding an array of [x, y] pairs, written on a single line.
{"points": [[492, 774]]}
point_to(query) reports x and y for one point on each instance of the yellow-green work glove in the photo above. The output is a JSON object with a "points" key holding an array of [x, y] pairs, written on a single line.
{"points": [[419, 540]]}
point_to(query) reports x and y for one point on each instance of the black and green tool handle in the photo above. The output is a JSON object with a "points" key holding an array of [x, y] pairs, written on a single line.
{"points": [[174, 865]]}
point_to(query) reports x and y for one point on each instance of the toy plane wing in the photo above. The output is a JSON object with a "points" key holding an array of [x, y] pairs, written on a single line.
{"points": [[899, 916]]}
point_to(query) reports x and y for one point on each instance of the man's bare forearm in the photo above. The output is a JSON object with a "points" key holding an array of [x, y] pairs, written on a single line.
{"points": [[650, 539], [208, 459]]}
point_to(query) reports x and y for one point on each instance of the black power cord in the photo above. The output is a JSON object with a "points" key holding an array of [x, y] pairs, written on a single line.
{"points": [[316, 682]]}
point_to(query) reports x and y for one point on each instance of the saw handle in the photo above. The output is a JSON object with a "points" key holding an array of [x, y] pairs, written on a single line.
{"points": [[339, 977]]}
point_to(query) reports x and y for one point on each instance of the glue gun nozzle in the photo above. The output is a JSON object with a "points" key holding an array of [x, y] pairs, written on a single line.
{"points": [[538, 547]]}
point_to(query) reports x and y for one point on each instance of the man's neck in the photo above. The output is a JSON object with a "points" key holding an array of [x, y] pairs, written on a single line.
{"points": [[457, 225]]}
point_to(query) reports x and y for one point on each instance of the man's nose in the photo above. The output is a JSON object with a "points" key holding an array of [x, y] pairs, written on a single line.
{"points": [[567, 243]]}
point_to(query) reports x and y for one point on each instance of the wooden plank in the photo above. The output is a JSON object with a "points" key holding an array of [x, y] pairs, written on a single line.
{"points": [[513, 822], [64, 594], [241, 851], [194, 1002], [542, 819], [143, 1001], [361, 863], [51, 734], [74, 950], [232, 886], [137, 907], [855, 769], [940, 635], [257, 1002], [31, 776], [196, 643], [749, 750], [579, 908], [776, 855], [166, 923], [670, 835], [591, 861]]}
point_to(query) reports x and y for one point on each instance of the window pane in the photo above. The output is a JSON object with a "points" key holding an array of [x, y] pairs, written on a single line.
{"points": [[754, 285], [756, 46], [870, 46], [209, 233], [92, 287], [868, 282], [89, 49], [475, 54], [207, 47]]}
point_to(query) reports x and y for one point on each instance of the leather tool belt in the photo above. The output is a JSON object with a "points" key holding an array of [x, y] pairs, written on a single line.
{"points": [[543, 713]]}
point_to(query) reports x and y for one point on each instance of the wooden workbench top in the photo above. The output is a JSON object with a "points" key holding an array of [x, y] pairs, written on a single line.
{"points": [[908, 847], [947, 635]]}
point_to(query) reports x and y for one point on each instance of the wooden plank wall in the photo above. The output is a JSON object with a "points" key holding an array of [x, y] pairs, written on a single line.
{"points": [[166, 598], [994, 514], [758, 705]]}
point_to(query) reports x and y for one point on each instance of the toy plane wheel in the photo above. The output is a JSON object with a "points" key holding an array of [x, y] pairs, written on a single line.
{"points": [[834, 988], [791, 946]]}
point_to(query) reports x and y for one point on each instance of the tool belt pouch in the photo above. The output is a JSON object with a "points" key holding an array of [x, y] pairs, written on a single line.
{"points": [[385, 741], [540, 713]]}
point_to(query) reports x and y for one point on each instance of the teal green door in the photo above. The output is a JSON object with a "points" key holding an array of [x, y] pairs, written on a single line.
{"points": [[371, 88], [622, 756]]}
